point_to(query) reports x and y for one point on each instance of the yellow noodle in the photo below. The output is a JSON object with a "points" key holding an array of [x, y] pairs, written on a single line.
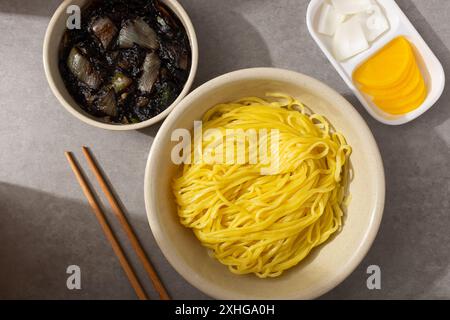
{"points": [[266, 224]]}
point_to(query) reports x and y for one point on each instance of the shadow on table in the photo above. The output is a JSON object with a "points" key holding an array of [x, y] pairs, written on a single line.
{"points": [[44, 8], [412, 245], [41, 235], [152, 130], [227, 40]]}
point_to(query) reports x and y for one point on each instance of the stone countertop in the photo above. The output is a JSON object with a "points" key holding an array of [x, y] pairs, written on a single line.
{"points": [[46, 225]]}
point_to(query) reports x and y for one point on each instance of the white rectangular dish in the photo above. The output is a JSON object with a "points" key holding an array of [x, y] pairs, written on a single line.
{"points": [[400, 25]]}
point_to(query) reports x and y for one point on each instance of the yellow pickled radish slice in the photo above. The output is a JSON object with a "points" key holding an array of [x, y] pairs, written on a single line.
{"points": [[412, 106], [375, 92], [402, 90], [403, 101], [388, 67]]}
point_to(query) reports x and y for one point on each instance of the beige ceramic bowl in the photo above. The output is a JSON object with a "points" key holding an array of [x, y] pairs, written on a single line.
{"points": [[53, 37], [328, 265]]}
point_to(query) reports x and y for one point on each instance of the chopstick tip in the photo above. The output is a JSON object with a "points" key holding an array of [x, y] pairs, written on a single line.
{"points": [[69, 156]]}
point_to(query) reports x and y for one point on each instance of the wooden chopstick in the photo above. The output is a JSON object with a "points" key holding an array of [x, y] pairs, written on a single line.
{"points": [[106, 228], [159, 287]]}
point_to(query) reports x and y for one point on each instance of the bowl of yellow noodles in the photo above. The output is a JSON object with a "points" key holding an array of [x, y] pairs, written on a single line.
{"points": [[264, 184]]}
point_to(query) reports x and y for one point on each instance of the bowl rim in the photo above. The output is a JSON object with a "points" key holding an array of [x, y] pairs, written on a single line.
{"points": [[190, 31], [188, 273]]}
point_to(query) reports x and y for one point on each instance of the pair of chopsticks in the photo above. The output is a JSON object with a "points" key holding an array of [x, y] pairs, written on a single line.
{"points": [[123, 222]]}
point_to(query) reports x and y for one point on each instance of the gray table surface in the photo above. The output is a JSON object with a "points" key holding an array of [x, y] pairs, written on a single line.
{"points": [[46, 225]]}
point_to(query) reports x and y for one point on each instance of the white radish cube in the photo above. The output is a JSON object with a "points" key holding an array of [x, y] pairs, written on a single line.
{"points": [[329, 19], [373, 22], [349, 39], [350, 6]]}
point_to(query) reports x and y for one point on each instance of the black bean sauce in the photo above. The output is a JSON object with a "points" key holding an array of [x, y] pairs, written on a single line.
{"points": [[128, 62]]}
